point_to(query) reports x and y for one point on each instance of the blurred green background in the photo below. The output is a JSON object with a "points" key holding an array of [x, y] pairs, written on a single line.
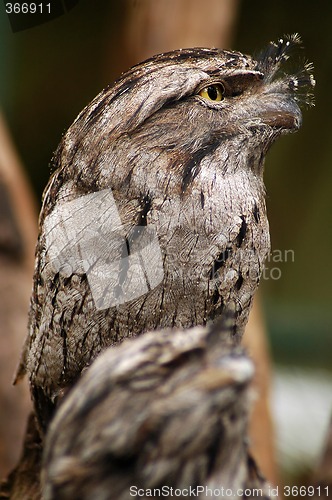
{"points": [[299, 190], [48, 73]]}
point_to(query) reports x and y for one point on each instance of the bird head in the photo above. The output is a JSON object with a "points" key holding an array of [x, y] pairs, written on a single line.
{"points": [[184, 105]]}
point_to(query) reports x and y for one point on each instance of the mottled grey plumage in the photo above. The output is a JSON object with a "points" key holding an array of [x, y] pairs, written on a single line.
{"points": [[164, 410], [187, 167]]}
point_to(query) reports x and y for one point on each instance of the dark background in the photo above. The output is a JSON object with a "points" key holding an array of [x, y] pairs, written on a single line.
{"points": [[51, 71]]}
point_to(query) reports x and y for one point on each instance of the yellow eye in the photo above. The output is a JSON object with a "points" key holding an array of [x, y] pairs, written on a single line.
{"points": [[213, 92]]}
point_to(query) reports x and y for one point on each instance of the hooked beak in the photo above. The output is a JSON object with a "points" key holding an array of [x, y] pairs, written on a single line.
{"points": [[285, 115]]}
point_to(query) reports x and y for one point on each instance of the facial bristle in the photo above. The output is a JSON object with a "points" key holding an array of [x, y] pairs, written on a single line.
{"points": [[299, 82], [280, 50], [303, 78], [302, 84], [277, 53]]}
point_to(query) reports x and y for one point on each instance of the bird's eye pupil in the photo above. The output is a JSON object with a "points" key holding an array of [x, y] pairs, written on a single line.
{"points": [[212, 92]]}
